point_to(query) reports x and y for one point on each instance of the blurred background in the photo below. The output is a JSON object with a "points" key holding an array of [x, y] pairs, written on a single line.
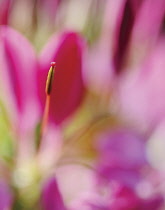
{"points": [[101, 144]]}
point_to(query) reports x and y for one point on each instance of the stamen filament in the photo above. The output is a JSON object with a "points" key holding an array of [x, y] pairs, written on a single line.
{"points": [[48, 89], [45, 115]]}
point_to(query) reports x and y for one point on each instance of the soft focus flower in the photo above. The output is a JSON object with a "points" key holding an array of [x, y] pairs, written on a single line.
{"points": [[21, 64], [60, 150], [24, 80]]}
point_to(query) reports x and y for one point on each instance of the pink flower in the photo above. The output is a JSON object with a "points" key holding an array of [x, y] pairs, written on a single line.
{"points": [[23, 81], [26, 76]]}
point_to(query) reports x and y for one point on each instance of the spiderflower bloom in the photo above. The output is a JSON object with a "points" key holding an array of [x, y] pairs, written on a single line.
{"points": [[115, 171], [23, 93], [20, 62]]}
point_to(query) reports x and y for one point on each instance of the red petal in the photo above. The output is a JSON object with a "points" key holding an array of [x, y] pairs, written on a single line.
{"points": [[68, 88]]}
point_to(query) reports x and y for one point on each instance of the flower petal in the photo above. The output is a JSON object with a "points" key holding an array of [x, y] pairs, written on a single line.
{"points": [[19, 63], [147, 29], [4, 11], [121, 155], [5, 196], [18, 70], [68, 88], [51, 197], [143, 87], [122, 148], [125, 198]]}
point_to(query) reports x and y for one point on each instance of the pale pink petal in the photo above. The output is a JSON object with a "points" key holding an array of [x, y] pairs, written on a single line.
{"points": [[142, 91], [147, 29], [48, 8]]}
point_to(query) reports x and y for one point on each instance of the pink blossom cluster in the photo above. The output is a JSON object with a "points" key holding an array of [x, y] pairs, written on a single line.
{"points": [[102, 146]]}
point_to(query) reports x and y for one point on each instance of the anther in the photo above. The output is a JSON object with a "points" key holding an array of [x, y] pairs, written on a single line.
{"points": [[50, 77]]}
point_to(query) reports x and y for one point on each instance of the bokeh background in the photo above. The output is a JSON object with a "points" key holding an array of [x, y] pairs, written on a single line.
{"points": [[101, 145]]}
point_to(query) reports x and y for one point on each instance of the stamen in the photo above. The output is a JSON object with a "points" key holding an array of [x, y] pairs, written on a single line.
{"points": [[50, 77], [48, 89]]}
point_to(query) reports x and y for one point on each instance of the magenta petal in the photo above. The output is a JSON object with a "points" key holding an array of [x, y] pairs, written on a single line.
{"points": [[68, 88], [5, 197], [19, 63], [51, 197], [121, 155], [122, 148], [126, 177], [126, 198], [152, 203]]}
